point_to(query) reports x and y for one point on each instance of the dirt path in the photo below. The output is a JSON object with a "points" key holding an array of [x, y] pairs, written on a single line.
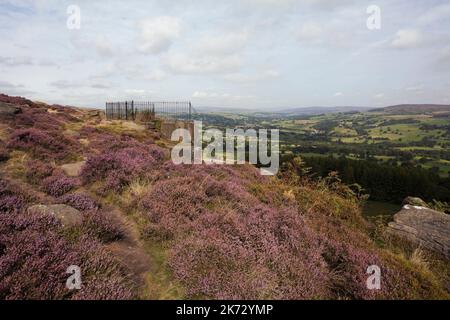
{"points": [[131, 250]]}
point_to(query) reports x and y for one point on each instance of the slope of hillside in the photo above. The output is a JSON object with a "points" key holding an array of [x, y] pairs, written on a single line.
{"points": [[150, 229], [414, 109]]}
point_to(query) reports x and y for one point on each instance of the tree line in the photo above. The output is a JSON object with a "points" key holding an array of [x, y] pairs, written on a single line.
{"points": [[384, 182]]}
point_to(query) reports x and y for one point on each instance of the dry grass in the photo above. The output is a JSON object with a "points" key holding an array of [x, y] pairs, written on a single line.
{"points": [[16, 165], [134, 191], [418, 258]]}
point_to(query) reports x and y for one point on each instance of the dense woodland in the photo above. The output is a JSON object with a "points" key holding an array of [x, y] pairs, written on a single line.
{"points": [[384, 182]]}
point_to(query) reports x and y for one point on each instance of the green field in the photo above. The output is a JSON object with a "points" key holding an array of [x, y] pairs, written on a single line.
{"points": [[419, 138]]}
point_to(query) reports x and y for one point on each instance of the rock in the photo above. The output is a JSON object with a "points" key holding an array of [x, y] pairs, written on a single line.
{"points": [[73, 169], [423, 226], [7, 109], [414, 202], [67, 215]]}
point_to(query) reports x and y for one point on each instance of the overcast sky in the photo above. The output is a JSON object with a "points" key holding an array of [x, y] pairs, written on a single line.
{"points": [[247, 53]]}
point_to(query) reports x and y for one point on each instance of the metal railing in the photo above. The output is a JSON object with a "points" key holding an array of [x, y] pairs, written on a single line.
{"points": [[148, 110]]}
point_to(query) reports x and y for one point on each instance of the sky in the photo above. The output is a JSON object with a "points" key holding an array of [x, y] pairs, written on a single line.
{"points": [[257, 54]]}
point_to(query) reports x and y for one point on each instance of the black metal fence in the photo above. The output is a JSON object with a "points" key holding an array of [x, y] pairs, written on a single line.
{"points": [[148, 110]]}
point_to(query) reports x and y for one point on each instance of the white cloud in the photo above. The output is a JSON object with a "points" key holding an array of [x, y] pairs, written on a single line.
{"points": [[259, 76], [158, 34], [418, 88], [338, 94], [310, 32], [103, 47], [16, 61], [14, 89], [155, 75], [135, 91], [221, 44], [407, 38], [208, 95], [192, 64], [64, 84], [435, 14]]}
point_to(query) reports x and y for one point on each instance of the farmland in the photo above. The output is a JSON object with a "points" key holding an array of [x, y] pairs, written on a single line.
{"points": [[420, 138]]}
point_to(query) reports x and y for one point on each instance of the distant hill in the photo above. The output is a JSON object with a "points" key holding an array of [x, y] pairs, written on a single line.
{"points": [[414, 109], [282, 111], [321, 110]]}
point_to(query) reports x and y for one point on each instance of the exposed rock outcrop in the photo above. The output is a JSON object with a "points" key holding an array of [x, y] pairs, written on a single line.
{"points": [[8, 110], [73, 169], [413, 201], [423, 226], [67, 215]]}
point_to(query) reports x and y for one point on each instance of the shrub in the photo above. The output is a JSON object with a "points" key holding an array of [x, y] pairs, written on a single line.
{"points": [[265, 254], [10, 200], [34, 258], [101, 225], [118, 168], [58, 184], [38, 171], [80, 201], [4, 154], [41, 144]]}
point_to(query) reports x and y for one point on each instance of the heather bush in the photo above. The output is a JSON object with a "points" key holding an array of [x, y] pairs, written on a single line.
{"points": [[229, 245], [42, 145], [101, 225], [19, 101], [38, 118], [58, 184], [37, 171], [88, 131], [80, 201], [118, 168], [34, 258], [4, 154], [265, 254], [10, 199]]}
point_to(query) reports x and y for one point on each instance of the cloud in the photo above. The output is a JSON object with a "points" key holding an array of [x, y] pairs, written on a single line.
{"points": [[246, 78], [13, 89], [206, 64], [407, 38], [155, 75], [443, 59], [327, 4], [135, 91], [435, 14], [100, 86], [214, 53], [338, 94], [205, 95], [419, 88], [310, 32], [158, 34], [16, 61], [64, 84], [222, 44], [103, 47], [327, 34]]}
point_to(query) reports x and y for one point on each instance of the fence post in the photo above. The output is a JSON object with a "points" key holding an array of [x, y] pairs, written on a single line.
{"points": [[190, 110]]}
